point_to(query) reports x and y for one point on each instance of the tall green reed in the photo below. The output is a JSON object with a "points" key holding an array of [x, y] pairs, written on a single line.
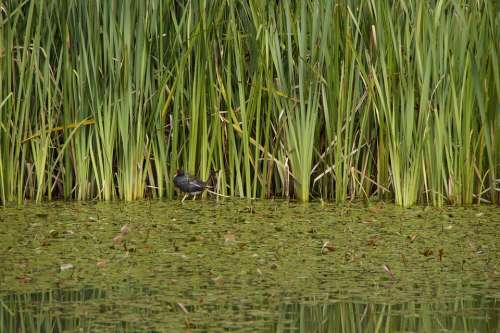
{"points": [[335, 101]]}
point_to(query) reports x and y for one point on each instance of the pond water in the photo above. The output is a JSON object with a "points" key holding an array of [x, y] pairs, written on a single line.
{"points": [[247, 266]]}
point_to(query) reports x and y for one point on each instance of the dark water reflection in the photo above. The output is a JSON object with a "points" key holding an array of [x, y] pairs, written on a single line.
{"points": [[248, 266], [95, 310]]}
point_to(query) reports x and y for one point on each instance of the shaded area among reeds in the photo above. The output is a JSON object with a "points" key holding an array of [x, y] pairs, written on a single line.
{"points": [[312, 99]]}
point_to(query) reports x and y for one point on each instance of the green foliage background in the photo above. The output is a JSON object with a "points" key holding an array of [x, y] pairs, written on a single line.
{"points": [[310, 99]]}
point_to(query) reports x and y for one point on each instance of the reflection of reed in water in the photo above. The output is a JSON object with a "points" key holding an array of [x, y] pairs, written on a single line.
{"points": [[465, 314], [133, 309]]}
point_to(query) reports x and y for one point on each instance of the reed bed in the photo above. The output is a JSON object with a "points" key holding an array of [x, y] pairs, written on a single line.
{"points": [[332, 100]]}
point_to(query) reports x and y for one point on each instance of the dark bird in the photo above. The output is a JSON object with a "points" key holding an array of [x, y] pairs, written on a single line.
{"points": [[189, 184]]}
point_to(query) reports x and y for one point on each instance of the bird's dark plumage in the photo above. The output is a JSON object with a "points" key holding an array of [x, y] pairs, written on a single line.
{"points": [[189, 184]]}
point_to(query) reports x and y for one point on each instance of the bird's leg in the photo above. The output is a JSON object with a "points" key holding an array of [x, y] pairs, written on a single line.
{"points": [[185, 196], [194, 197]]}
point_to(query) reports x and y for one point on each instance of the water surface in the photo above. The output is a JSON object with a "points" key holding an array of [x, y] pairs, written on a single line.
{"points": [[272, 266]]}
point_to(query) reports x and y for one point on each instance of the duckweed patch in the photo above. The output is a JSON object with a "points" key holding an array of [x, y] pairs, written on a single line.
{"points": [[248, 266]]}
